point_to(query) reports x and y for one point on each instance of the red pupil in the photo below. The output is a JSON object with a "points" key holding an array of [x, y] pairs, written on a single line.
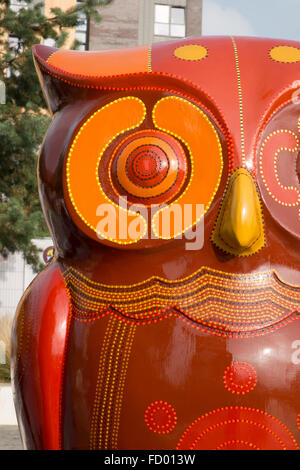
{"points": [[146, 164]]}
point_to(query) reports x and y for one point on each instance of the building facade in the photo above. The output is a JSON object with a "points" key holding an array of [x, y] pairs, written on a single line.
{"points": [[128, 23], [15, 276]]}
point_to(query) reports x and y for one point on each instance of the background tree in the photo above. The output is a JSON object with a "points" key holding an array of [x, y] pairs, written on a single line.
{"points": [[24, 118]]}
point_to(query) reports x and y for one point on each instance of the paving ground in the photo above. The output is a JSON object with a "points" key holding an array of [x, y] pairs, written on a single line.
{"points": [[10, 438]]}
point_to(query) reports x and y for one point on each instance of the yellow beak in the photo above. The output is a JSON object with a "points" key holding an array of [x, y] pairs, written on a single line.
{"points": [[239, 228]]}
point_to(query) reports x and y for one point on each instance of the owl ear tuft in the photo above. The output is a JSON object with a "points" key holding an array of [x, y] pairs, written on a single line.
{"points": [[42, 53], [57, 91], [63, 72]]}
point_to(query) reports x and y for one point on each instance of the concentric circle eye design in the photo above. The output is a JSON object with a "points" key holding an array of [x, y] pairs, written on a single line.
{"points": [[149, 167], [115, 167], [279, 166], [277, 144]]}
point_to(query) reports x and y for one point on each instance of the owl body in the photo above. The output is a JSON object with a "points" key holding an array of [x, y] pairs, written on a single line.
{"points": [[129, 340]]}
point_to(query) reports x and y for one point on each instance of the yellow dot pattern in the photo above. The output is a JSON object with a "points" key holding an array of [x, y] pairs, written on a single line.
{"points": [[285, 54], [237, 63], [216, 300], [191, 52], [281, 149], [112, 372]]}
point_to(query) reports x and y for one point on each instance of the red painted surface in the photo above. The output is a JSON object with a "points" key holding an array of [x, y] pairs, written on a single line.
{"points": [[39, 363], [154, 346]]}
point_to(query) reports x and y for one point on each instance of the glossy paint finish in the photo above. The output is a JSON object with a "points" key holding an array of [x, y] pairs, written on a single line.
{"points": [[38, 352], [150, 345]]}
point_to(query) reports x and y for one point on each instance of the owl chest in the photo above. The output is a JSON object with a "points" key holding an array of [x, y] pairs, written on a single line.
{"points": [[169, 385]]}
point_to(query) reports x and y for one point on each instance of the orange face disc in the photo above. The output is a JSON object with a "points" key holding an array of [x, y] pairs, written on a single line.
{"points": [[86, 200], [188, 123], [176, 165]]}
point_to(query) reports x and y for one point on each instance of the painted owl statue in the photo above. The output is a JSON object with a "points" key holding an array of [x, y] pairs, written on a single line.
{"points": [[169, 317]]}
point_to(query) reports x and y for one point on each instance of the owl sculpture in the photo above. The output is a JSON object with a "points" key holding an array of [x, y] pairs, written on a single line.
{"points": [[135, 336]]}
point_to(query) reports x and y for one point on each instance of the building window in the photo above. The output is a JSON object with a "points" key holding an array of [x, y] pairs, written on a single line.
{"points": [[82, 30], [17, 5], [15, 44], [169, 21]]}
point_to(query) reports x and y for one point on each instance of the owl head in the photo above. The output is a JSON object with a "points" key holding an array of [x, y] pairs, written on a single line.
{"points": [[198, 132]]}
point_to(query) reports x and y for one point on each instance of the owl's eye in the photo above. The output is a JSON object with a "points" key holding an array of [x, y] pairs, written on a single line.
{"points": [[279, 156], [149, 167], [130, 155]]}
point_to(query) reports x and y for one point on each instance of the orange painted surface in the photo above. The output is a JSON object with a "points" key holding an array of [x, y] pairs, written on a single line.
{"points": [[168, 181], [113, 120], [103, 63], [185, 121]]}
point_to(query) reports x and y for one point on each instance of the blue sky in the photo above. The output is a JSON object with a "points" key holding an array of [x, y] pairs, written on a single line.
{"points": [[265, 18]]}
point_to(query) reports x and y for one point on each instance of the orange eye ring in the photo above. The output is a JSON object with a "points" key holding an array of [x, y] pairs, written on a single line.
{"points": [[180, 118], [83, 190], [171, 166]]}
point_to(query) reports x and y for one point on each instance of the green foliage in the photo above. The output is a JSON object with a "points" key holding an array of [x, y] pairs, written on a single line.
{"points": [[24, 118], [5, 371]]}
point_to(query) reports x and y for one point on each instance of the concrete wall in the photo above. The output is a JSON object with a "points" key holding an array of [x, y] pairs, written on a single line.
{"points": [[128, 23], [119, 27], [7, 408], [15, 276], [194, 17]]}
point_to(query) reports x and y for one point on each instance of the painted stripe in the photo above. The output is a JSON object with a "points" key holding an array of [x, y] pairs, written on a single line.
{"points": [[112, 372], [238, 71], [150, 58]]}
